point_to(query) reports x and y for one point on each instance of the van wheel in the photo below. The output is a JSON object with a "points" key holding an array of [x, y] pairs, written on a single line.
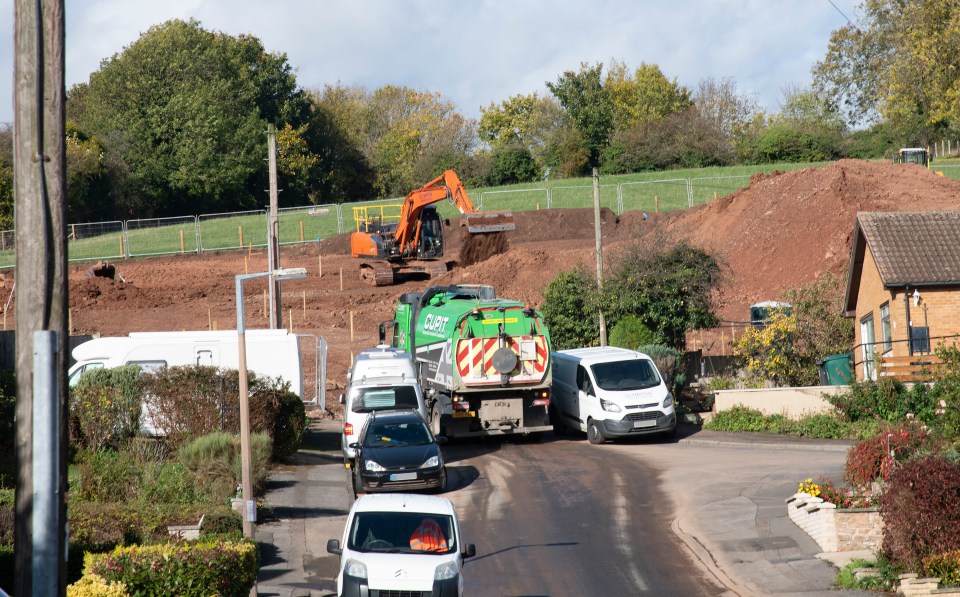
{"points": [[435, 426], [558, 427], [594, 433]]}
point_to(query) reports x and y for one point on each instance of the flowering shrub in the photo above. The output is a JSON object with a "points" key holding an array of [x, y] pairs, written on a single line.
{"points": [[808, 487], [875, 458], [91, 585], [846, 498]]}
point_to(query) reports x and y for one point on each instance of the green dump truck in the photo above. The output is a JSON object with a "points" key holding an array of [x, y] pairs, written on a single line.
{"points": [[483, 362]]}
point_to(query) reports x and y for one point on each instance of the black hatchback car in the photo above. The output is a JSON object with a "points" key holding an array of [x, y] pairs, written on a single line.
{"points": [[397, 452]]}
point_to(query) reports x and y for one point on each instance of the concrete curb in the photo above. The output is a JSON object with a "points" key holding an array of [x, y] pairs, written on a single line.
{"points": [[774, 445], [707, 562]]}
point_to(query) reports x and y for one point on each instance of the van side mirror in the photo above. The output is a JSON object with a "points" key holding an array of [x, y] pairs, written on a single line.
{"points": [[342, 399], [468, 552], [333, 546], [440, 439]]}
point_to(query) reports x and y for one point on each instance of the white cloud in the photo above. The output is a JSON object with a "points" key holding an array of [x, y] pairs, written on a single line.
{"points": [[476, 52]]}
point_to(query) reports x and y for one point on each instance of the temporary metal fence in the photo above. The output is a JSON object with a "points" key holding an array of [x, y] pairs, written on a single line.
{"points": [[97, 240], [232, 230], [162, 236], [235, 230], [308, 224]]}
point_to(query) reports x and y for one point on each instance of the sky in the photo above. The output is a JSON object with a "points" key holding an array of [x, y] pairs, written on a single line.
{"points": [[476, 52]]}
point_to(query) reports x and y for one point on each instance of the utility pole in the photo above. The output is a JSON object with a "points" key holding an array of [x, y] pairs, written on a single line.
{"points": [[599, 237], [273, 233], [39, 146]]}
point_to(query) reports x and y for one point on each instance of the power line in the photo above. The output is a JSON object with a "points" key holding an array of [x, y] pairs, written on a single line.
{"points": [[841, 12]]}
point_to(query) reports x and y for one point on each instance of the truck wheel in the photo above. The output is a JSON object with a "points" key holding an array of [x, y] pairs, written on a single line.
{"points": [[594, 433], [435, 426], [558, 427]]}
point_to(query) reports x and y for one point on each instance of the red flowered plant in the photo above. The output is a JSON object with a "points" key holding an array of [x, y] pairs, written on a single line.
{"points": [[846, 497], [874, 459]]}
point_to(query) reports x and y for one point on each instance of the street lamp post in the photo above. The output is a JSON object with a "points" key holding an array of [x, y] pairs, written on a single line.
{"points": [[246, 472]]}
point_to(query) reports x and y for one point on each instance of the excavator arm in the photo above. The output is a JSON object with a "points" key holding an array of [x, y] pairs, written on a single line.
{"points": [[446, 186]]}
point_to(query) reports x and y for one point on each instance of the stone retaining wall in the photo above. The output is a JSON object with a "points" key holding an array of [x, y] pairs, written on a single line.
{"points": [[836, 529]]}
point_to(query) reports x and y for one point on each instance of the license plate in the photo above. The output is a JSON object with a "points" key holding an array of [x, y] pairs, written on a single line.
{"points": [[460, 414], [403, 476], [638, 424]]}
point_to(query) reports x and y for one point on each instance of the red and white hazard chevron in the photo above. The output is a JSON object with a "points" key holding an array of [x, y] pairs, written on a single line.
{"points": [[474, 359]]}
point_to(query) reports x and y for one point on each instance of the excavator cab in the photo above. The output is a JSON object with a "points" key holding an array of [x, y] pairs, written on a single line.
{"points": [[913, 155], [431, 234]]}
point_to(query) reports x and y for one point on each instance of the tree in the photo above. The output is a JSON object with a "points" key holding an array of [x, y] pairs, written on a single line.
{"points": [[185, 110], [588, 105], [526, 120], [6, 177], [569, 309], [513, 164], [669, 290], [786, 351], [898, 62], [643, 96], [732, 113]]}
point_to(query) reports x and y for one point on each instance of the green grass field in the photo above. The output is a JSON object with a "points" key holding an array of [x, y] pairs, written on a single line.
{"points": [[646, 191]]}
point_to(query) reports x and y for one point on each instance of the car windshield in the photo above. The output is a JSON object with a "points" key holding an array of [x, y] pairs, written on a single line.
{"points": [[402, 532], [395, 435], [367, 400], [635, 374]]}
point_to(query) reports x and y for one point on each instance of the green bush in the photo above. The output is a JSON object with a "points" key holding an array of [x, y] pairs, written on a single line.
{"points": [[222, 524], [822, 426], [846, 579], [214, 460], [738, 418], [629, 332], [885, 399], [92, 585], [170, 483], [668, 362], [920, 511], [744, 419], [569, 309], [513, 164], [105, 405], [108, 476], [288, 426], [196, 569], [945, 566], [100, 526]]}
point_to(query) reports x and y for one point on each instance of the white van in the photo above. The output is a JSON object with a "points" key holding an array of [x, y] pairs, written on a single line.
{"points": [[401, 544], [382, 361], [366, 396], [609, 392]]}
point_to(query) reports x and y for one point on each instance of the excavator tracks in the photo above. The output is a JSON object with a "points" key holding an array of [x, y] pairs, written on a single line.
{"points": [[376, 273]]}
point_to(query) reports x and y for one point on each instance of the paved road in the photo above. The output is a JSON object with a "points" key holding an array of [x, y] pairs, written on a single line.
{"points": [[702, 515]]}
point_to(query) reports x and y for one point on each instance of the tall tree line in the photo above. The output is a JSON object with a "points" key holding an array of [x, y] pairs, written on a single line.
{"points": [[175, 123]]}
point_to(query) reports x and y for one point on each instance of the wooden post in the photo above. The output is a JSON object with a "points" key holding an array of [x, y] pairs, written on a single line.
{"points": [[183, 246], [598, 238], [40, 210], [290, 315], [122, 252], [240, 232], [215, 325], [320, 265], [304, 305], [538, 206], [73, 231], [351, 326], [209, 319], [341, 278], [264, 303], [714, 195], [246, 264], [301, 230], [656, 204]]}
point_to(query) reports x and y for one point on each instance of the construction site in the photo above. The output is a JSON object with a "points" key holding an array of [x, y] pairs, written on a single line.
{"points": [[781, 232]]}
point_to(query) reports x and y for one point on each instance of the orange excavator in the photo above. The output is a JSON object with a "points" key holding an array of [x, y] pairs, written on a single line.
{"points": [[412, 242]]}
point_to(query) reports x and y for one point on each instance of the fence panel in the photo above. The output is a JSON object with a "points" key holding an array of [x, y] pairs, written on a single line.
{"points": [[8, 247], [582, 196], [232, 230], [655, 195], [96, 240], [307, 224], [516, 200], [162, 236], [706, 189]]}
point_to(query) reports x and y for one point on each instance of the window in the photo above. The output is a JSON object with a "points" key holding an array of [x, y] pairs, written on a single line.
{"points": [[869, 347], [635, 374], [885, 327], [920, 339]]}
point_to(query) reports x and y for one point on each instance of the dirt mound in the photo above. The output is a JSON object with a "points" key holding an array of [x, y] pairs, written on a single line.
{"points": [[475, 248], [94, 290]]}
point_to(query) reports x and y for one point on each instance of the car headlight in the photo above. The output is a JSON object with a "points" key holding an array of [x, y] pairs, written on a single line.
{"points": [[432, 462], [355, 568], [372, 466], [610, 407], [668, 401], [446, 571]]}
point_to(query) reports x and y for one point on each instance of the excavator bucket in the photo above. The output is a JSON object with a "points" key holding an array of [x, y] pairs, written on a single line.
{"points": [[483, 222]]}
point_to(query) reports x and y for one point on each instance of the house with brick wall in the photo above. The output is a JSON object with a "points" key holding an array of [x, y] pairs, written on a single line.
{"points": [[903, 289]]}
